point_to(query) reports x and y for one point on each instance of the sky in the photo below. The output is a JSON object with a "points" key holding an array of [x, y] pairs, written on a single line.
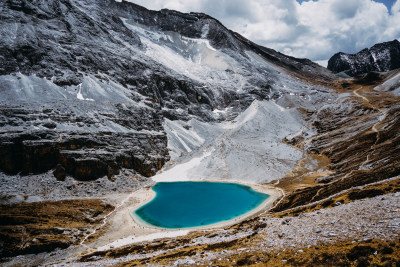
{"points": [[314, 29], [387, 3]]}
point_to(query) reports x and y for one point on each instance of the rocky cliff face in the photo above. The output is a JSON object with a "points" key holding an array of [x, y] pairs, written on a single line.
{"points": [[86, 85], [380, 57]]}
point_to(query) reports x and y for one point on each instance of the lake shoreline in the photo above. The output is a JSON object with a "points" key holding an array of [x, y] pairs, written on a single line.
{"points": [[272, 192], [125, 229]]}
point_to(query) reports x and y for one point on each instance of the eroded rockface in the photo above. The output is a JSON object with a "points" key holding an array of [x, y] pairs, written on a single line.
{"points": [[83, 156], [83, 95], [34, 142], [59, 39], [380, 57], [361, 139], [71, 39]]}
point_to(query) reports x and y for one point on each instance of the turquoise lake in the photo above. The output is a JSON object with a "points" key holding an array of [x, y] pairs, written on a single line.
{"points": [[192, 204]]}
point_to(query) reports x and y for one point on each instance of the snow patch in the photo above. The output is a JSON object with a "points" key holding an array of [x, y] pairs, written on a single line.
{"points": [[205, 30], [80, 96], [195, 58]]}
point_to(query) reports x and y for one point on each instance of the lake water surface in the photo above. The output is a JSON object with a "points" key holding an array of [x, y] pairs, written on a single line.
{"points": [[192, 204]]}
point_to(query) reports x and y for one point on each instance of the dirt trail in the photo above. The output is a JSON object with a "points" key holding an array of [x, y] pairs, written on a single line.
{"points": [[355, 92], [374, 128]]}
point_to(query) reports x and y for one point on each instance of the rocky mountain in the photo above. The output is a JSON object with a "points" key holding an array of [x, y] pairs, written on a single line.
{"points": [[85, 85], [381, 57], [100, 99]]}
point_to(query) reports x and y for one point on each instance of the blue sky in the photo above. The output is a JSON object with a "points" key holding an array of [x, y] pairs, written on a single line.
{"points": [[314, 29], [388, 3]]}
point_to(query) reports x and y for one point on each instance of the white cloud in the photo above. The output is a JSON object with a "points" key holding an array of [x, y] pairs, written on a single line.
{"points": [[313, 29]]}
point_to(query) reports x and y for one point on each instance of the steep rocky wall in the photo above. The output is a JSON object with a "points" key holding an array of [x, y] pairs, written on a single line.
{"points": [[83, 156]]}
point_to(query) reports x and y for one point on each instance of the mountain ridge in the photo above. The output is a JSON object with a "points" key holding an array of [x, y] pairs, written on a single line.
{"points": [[380, 57], [79, 47]]}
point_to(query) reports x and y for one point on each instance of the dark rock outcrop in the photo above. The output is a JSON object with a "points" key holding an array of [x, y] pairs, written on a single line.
{"points": [[381, 57], [84, 156]]}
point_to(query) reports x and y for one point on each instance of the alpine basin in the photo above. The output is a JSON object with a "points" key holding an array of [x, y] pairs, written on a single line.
{"points": [[194, 204]]}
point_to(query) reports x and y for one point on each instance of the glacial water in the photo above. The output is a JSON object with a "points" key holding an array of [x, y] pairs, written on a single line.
{"points": [[193, 204]]}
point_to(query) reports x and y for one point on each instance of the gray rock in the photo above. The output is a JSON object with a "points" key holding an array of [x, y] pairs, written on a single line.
{"points": [[381, 57]]}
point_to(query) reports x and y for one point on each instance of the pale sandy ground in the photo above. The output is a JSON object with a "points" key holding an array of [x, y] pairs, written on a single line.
{"points": [[123, 229]]}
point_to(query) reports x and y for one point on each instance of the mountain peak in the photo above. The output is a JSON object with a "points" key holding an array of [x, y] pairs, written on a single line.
{"points": [[380, 57]]}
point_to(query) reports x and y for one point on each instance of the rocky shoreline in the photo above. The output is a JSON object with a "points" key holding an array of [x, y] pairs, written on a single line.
{"points": [[265, 236]]}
